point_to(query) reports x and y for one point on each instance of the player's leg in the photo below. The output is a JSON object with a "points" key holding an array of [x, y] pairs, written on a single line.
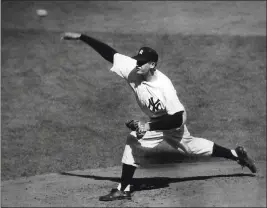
{"points": [[130, 161], [123, 189], [204, 147], [182, 140], [238, 154]]}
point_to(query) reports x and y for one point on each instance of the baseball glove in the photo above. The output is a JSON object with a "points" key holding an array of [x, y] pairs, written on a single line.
{"points": [[137, 126], [132, 124], [141, 130]]}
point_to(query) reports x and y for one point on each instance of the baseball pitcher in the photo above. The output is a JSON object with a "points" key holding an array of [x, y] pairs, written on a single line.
{"points": [[157, 98]]}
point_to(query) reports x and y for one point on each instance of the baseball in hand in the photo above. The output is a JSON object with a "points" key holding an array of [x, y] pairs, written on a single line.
{"points": [[41, 12]]}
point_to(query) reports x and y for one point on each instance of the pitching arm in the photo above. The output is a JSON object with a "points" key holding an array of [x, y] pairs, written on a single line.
{"points": [[103, 49]]}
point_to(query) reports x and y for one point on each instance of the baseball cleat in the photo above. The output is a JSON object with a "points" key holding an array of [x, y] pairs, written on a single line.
{"points": [[244, 159], [116, 194]]}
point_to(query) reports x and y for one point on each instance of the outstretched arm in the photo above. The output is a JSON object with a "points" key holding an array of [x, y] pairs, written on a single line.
{"points": [[103, 49]]}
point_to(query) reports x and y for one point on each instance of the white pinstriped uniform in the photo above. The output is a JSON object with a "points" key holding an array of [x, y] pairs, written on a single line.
{"points": [[156, 98]]}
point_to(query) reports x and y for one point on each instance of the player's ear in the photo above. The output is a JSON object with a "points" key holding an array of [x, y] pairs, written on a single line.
{"points": [[153, 65]]}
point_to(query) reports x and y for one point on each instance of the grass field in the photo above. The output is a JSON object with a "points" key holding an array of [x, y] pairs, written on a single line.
{"points": [[63, 110]]}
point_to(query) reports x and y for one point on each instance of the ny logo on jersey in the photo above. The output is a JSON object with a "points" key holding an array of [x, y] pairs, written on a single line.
{"points": [[154, 106]]}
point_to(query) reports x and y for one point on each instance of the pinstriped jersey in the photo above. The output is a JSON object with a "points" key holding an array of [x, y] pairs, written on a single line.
{"points": [[155, 98]]}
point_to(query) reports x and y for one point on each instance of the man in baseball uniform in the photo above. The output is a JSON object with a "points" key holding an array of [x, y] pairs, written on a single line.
{"points": [[157, 98]]}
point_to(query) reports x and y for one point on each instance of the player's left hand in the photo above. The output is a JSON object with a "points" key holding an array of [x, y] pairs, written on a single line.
{"points": [[132, 124], [141, 130], [138, 126]]}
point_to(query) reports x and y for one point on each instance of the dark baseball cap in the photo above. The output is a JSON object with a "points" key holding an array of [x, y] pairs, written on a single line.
{"points": [[146, 54]]}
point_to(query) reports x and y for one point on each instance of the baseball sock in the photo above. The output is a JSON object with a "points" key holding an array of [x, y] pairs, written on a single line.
{"points": [[126, 175], [219, 151]]}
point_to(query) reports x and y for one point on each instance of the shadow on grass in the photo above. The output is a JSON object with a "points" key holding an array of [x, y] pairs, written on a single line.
{"points": [[140, 184]]}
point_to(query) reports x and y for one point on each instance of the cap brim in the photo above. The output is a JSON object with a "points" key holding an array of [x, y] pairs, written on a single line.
{"points": [[139, 58]]}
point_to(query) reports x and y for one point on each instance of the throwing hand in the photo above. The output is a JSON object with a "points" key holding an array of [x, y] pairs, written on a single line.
{"points": [[71, 36]]}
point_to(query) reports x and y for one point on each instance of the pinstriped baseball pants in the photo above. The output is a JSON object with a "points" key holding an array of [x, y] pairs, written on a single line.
{"points": [[180, 139]]}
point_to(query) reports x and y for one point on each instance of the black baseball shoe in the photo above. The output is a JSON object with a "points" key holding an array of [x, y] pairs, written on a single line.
{"points": [[116, 194], [244, 159]]}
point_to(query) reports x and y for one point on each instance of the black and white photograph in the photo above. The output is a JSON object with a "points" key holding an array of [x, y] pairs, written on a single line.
{"points": [[133, 103]]}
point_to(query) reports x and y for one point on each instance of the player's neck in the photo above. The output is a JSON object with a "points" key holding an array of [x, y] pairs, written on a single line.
{"points": [[150, 76]]}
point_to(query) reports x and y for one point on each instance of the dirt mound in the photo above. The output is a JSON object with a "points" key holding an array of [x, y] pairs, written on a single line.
{"points": [[180, 185]]}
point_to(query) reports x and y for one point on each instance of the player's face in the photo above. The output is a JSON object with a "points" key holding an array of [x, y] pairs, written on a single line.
{"points": [[143, 68]]}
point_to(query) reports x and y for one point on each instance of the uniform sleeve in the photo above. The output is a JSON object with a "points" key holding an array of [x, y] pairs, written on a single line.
{"points": [[172, 102], [123, 65]]}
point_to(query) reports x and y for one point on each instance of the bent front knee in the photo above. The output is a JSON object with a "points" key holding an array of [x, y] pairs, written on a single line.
{"points": [[131, 139]]}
